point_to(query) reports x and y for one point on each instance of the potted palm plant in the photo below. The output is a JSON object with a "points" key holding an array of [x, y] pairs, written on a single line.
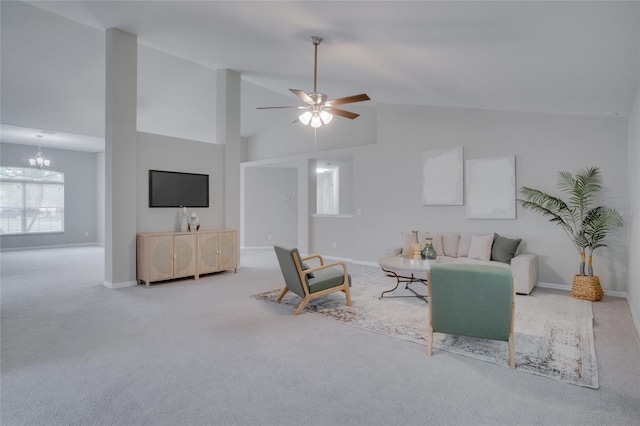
{"points": [[585, 223]]}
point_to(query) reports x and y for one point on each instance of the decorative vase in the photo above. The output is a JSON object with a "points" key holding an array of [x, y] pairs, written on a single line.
{"points": [[587, 288], [194, 222], [414, 250], [183, 220], [428, 252]]}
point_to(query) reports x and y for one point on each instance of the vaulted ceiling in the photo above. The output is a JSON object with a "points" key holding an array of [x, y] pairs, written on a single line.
{"points": [[557, 57]]}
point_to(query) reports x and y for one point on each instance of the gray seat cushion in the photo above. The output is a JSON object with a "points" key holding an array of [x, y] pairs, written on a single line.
{"points": [[326, 278]]}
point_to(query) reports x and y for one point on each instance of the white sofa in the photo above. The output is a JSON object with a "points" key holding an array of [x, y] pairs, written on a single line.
{"points": [[485, 249]]}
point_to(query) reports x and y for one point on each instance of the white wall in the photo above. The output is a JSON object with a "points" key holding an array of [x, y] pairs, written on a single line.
{"points": [[284, 138], [85, 187], [270, 206], [346, 189], [543, 145], [186, 88], [180, 155], [387, 182], [633, 216], [43, 50], [79, 195]]}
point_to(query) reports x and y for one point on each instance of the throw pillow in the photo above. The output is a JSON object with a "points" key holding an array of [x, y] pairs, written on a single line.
{"points": [[450, 244], [437, 241], [480, 247], [305, 266], [464, 245], [504, 249], [521, 246]]}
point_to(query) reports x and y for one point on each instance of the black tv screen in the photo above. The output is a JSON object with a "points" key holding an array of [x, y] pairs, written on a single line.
{"points": [[175, 189]]}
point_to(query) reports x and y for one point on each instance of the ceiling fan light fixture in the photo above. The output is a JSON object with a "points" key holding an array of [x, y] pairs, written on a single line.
{"points": [[315, 120], [305, 117], [326, 116]]}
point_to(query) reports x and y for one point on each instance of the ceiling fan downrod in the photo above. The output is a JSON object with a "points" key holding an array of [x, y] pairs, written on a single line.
{"points": [[316, 41]]}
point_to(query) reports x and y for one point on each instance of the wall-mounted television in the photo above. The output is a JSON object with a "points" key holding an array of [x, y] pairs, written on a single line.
{"points": [[176, 189]]}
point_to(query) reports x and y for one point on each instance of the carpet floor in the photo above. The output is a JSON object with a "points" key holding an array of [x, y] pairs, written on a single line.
{"points": [[553, 332], [186, 352]]}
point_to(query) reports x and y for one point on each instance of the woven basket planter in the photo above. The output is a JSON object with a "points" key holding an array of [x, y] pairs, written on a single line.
{"points": [[587, 288]]}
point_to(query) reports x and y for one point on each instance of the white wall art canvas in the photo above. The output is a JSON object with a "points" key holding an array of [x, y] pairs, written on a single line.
{"points": [[442, 177], [491, 188]]}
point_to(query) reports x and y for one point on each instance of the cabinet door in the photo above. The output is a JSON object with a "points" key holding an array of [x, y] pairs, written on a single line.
{"points": [[184, 255], [161, 257], [227, 249], [207, 252]]}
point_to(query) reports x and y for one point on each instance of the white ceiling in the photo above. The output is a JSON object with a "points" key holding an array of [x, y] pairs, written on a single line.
{"points": [[557, 57]]}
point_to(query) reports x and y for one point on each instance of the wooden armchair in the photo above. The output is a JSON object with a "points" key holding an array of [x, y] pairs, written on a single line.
{"points": [[311, 282], [472, 300]]}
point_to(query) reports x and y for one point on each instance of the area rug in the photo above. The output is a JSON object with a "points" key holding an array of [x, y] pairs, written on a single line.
{"points": [[553, 332]]}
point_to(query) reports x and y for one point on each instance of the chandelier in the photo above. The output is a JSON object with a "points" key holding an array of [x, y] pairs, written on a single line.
{"points": [[39, 161]]}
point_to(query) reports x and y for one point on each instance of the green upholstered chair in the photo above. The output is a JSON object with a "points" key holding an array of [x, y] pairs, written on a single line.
{"points": [[311, 282], [472, 300]]}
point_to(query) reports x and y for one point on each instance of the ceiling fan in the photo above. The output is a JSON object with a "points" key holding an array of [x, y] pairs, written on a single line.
{"points": [[319, 110]]}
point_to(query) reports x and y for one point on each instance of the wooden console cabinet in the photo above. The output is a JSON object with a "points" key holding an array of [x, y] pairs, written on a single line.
{"points": [[217, 251], [168, 255]]}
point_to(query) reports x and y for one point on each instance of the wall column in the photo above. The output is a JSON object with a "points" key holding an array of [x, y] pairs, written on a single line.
{"points": [[120, 159], [306, 202], [228, 133], [632, 219]]}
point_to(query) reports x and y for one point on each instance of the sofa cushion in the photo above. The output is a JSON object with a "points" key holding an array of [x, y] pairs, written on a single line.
{"points": [[504, 249], [450, 244], [327, 278], [464, 244], [469, 261], [480, 247]]}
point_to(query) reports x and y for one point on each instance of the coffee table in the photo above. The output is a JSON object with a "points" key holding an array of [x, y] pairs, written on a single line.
{"points": [[405, 270]]}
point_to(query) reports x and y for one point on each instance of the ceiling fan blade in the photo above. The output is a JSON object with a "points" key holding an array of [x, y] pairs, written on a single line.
{"points": [[342, 113], [273, 107], [302, 95], [348, 100]]}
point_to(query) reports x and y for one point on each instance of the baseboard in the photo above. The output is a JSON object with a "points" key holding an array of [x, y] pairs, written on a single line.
{"points": [[565, 287], [337, 259], [634, 316], [49, 247], [562, 287], [622, 294], [115, 286], [362, 262], [256, 247]]}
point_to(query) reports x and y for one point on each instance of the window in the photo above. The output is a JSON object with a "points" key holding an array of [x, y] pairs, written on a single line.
{"points": [[31, 200]]}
